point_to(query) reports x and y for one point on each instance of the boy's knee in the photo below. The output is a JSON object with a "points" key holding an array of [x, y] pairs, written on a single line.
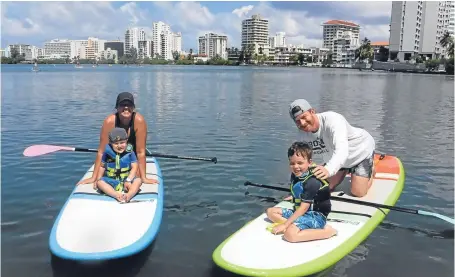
{"points": [[268, 211]]}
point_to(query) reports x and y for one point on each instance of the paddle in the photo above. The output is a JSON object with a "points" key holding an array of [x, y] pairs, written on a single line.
{"points": [[364, 203], [42, 149]]}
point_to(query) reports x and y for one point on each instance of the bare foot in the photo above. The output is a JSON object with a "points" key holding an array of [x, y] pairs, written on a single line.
{"points": [[120, 197], [128, 197], [332, 231]]}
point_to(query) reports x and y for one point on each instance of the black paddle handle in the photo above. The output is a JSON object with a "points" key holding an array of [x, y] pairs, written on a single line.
{"points": [[151, 154], [341, 199], [78, 149]]}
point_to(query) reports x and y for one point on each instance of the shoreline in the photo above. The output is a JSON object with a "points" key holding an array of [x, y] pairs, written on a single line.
{"points": [[250, 65]]}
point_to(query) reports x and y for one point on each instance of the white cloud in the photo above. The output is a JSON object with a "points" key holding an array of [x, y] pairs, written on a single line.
{"points": [[243, 10], [375, 32]]}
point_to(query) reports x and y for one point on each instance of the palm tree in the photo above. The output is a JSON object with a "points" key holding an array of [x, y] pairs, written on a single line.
{"points": [[365, 51], [447, 42]]}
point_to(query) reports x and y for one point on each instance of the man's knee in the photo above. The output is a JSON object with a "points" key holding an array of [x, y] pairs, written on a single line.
{"points": [[359, 192], [359, 188]]}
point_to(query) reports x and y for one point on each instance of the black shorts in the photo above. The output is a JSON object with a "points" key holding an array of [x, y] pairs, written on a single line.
{"points": [[364, 168]]}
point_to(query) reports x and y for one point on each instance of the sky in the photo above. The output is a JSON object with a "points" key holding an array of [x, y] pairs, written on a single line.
{"points": [[36, 22]]}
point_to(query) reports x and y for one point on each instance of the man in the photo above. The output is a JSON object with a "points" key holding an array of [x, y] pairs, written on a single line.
{"points": [[342, 147]]}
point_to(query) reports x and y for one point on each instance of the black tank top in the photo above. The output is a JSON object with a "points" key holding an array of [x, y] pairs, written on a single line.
{"points": [[132, 136]]}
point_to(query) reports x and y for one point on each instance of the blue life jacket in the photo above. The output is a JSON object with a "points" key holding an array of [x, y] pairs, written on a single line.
{"points": [[321, 201], [117, 166]]}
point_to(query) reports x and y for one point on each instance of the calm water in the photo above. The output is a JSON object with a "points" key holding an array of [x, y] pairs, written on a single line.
{"points": [[240, 116]]}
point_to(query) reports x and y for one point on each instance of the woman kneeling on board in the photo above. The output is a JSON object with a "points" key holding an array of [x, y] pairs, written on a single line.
{"points": [[303, 223], [136, 128]]}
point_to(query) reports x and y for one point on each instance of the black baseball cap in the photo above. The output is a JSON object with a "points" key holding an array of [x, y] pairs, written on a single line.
{"points": [[124, 96]]}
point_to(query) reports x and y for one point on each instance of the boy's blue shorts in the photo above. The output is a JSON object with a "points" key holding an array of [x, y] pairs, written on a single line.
{"points": [[310, 220], [116, 184]]}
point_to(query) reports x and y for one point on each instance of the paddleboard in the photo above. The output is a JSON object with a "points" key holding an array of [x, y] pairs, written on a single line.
{"points": [[255, 251], [94, 226]]}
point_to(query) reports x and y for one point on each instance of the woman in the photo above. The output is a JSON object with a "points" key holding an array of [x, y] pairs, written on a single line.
{"points": [[136, 127]]}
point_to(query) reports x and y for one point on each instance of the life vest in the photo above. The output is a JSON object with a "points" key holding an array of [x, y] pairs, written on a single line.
{"points": [[322, 195], [117, 166]]}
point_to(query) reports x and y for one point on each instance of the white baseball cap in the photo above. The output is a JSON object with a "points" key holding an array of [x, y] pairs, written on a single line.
{"points": [[298, 107]]}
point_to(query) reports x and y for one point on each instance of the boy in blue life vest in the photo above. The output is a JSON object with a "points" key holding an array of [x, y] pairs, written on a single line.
{"points": [[118, 168], [311, 199]]}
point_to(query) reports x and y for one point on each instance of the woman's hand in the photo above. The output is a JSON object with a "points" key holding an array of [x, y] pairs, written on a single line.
{"points": [[86, 181], [149, 181]]}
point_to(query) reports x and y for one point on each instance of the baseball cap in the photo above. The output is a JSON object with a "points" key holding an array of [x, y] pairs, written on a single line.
{"points": [[298, 107], [117, 134], [124, 96]]}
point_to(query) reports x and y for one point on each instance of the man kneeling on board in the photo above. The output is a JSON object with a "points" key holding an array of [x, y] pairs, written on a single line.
{"points": [[342, 147], [311, 198]]}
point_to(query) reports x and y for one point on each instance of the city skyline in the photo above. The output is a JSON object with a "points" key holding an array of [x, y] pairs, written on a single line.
{"points": [[36, 22]]}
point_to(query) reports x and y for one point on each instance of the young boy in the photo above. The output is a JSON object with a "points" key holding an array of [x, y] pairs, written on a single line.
{"points": [[311, 198], [118, 168]]}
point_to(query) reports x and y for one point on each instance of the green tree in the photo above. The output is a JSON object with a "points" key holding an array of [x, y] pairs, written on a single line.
{"points": [[447, 42], [365, 51]]}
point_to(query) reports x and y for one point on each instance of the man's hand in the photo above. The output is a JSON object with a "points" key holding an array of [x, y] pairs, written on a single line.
{"points": [[321, 172]]}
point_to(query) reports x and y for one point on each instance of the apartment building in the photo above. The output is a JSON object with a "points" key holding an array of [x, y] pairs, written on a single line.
{"points": [[135, 38], [255, 32], [212, 44], [58, 48], [337, 29], [279, 40], [165, 42], [416, 27], [30, 52]]}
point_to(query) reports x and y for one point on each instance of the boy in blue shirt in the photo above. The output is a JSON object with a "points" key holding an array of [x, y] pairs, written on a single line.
{"points": [[119, 167], [311, 199]]}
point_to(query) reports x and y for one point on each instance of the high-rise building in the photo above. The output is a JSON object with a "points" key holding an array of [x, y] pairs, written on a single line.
{"points": [[58, 47], [416, 27], [135, 37], [279, 40], [165, 42], [255, 32], [451, 11], [159, 28], [212, 44], [339, 29]]}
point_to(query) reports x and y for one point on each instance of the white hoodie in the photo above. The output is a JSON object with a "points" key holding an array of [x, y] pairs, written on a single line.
{"points": [[337, 143]]}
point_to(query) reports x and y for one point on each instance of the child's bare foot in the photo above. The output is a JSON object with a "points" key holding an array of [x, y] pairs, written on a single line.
{"points": [[330, 230], [128, 197], [120, 197]]}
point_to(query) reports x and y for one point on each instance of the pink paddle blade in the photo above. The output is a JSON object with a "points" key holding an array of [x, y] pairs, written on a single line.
{"points": [[42, 149]]}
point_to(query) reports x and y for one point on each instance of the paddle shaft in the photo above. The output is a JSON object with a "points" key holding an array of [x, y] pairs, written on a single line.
{"points": [[160, 155], [341, 199]]}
